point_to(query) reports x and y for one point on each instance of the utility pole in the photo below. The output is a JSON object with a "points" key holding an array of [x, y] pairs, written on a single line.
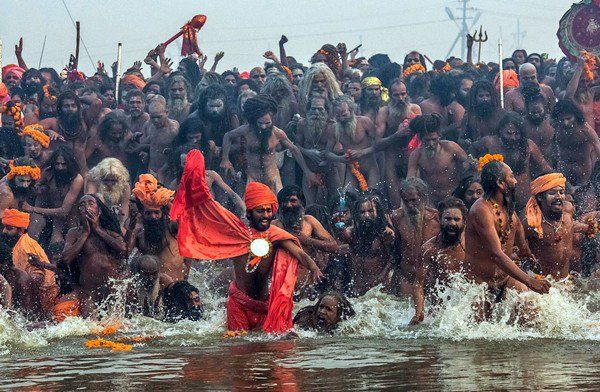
{"points": [[463, 26], [519, 35]]}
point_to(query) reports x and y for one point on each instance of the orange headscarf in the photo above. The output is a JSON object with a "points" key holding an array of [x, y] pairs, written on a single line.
{"points": [[3, 93], [146, 190], [134, 80], [15, 218], [539, 185], [258, 194], [511, 79], [36, 132]]}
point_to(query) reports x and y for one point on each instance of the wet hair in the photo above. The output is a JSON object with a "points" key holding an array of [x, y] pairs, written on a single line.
{"points": [[531, 99], [67, 153], [288, 191], [306, 318], [277, 83], [176, 298], [363, 242], [464, 185], [444, 87], [567, 106], [258, 106], [136, 262], [452, 202], [178, 77], [192, 71], [490, 174], [417, 184], [482, 85], [191, 125], [12, 142], [344, 99], [108, 220], [135, 93], [110, 119], [426, 123], [418, 84], [53, 75], [68, 94]]}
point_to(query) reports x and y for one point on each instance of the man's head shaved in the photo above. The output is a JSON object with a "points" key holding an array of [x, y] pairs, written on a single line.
{"points": [[526, 67]]}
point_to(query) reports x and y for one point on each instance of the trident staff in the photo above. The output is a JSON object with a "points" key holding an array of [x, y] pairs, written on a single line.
{"points": [[483, 37]]}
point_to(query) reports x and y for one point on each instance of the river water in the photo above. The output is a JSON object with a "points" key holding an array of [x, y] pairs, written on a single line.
{"points": [[375, 350]]}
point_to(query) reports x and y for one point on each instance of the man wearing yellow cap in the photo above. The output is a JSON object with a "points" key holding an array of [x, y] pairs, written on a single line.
{"points": [[373, 97], [548, 229], [29, 256]]}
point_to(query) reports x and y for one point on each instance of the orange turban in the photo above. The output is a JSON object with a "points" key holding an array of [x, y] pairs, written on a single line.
{"points": [[258, 194], [539, 185], [147, 192], [511, 79], [36, 132], [15, 218], [14, 69], [134, 80], [32, 171]]}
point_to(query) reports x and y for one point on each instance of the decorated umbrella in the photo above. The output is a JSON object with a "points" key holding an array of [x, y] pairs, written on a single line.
{"points": [[579, 29], [190, 41]]}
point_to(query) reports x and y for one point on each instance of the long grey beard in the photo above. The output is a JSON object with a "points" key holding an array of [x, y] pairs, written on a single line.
{"points": [[398, 112], [177, 107], [316, 127], [348, 128]]}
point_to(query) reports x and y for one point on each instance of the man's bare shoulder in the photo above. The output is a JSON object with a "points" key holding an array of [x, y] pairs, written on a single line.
{"points": [[49, 123], [429, 245], [431, 214]]}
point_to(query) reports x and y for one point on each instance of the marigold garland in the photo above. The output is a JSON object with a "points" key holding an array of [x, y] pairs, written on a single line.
{"points": [[47, 93], [590, 65], [446, 67], [592, 227], [355, 169], [413, 68], [234, 334], [104, 343], [36, 132], [487, 158], [33, 171], [13, 109]]}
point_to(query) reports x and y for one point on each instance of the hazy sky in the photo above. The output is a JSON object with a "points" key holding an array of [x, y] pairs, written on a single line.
{"points": [[245, 29]]}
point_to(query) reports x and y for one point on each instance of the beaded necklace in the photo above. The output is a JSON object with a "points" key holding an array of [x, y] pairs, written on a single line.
{"points": [[504, 233]]}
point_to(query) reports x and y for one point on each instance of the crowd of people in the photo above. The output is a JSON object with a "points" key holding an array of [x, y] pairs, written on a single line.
{"points": [[371, 174]]}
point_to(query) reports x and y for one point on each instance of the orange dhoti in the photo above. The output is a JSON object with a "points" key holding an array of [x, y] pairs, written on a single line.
{"points": [[244, 313]]}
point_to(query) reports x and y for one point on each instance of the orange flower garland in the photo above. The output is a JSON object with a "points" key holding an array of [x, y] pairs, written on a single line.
{"points": [[33, 171], [355, 169], [446, 67], [13, 109], [104, 343], [487, 158], [49, 95], [413, 68], [591, 64], [36, 132]]}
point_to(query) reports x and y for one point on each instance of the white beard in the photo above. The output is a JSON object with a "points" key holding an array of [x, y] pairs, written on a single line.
{"points": [[348, 128]]}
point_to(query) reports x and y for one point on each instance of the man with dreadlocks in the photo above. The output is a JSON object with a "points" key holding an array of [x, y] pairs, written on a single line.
{"points": [[155, 234], [373, 97], [73, 123], [178, 97], [213, 108], [261, 139], [492, 230], [521, 153], [414, 224], [318, 80], [371, 244], [443, 89], [483, 113], [98, 250]]}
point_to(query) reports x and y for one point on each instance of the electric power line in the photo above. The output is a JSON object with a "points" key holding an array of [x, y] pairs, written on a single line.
{"points": [[81, 38]]}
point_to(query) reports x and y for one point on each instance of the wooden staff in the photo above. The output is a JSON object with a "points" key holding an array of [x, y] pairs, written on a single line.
{"points": [[501, 74], [118, 81], [76, 62], [0, 54]]}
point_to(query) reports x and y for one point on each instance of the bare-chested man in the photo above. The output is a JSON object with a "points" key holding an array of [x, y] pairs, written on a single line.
{"points": [[550, 230], [483, 113], [72, 123], [577, 144], [353, 132], [313, 133], [442, 255], [155, 234], [414, 224], [36, 144], [261, 139], [17, 186], [148, 286], [57, 193], [580, 91], [135, 102], [111, 140], [440, 163], [158, 133], [492, 230], [444, 89], [315, 240], [99, 250], [528, 79], [389, 119], [214, 109], [371, 99], [538, 126], [521, 153], [178, 92]]}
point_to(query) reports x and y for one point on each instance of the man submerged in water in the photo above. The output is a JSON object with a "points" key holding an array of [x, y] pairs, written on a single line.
{"points": [[210, 232], [324, 316]]}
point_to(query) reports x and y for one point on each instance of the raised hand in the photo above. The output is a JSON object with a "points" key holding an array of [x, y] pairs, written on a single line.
{"points": [[283, 40], [19, 48], [219, 56]]}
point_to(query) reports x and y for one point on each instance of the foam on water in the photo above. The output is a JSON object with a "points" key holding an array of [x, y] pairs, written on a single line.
{"points": [[569, 311]]}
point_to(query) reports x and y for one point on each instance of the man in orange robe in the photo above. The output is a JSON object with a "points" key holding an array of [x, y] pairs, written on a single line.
{"points": [[209, 231]]}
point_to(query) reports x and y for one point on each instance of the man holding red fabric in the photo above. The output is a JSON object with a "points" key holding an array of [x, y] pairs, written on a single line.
{"points": [[209, 231]]}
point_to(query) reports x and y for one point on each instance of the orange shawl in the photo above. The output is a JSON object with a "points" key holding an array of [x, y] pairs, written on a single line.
{"points": [[532, 209], [21, 251], [209, 231]]}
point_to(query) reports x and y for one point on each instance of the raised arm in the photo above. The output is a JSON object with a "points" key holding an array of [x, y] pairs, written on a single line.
{"points": [[321, 239], [218, 58], [413, 163], [74, 242], [282, 54], [218, 181], [67, 204], [574, 82]]}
